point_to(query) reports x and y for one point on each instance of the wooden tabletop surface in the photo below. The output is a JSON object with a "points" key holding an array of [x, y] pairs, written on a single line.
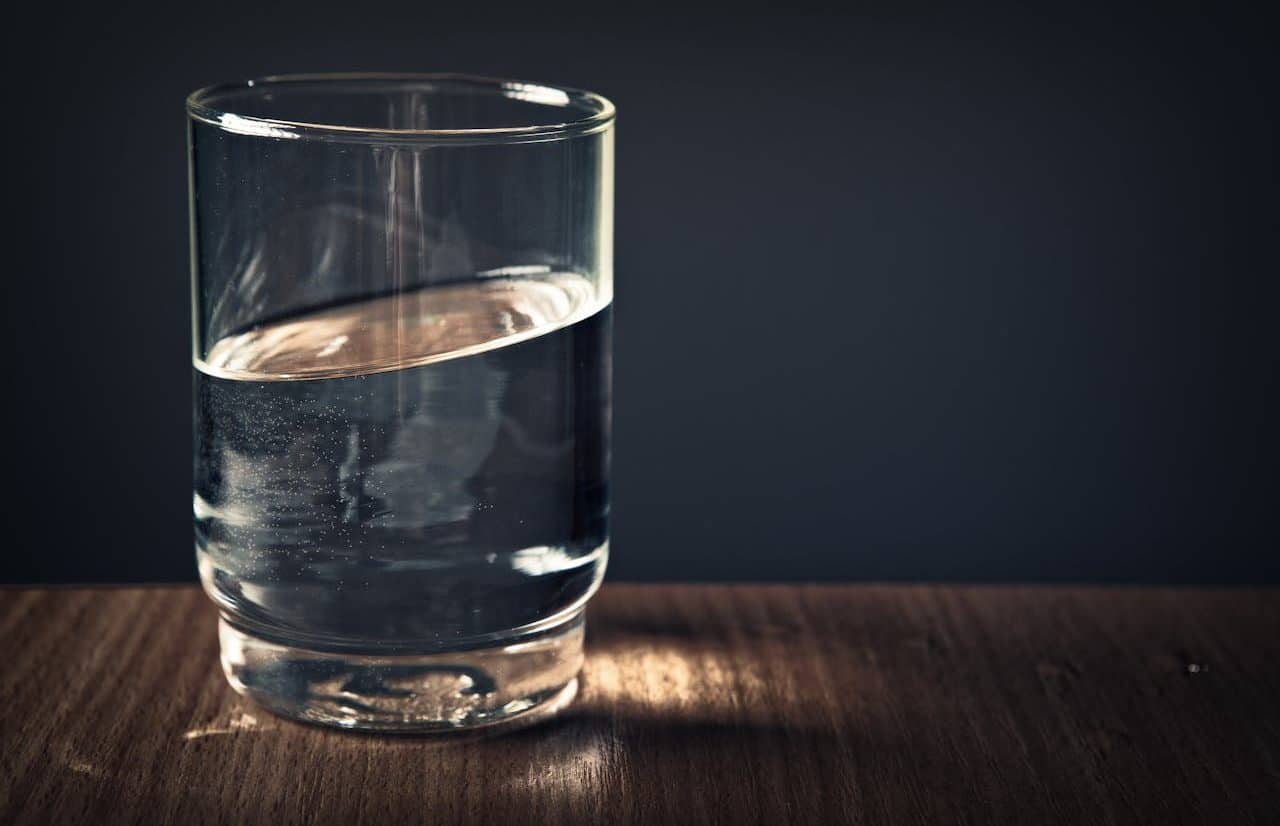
{"points": [[699, 704]]}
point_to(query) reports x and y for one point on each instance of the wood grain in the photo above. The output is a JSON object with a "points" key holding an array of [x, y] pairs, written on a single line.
{"points": [[700, 704]]}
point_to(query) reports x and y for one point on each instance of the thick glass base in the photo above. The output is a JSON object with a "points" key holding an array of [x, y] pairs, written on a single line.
{"points": [[522, 680]]}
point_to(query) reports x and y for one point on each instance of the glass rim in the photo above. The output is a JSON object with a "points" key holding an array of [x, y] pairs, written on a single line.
{"points": [[596, 111]]}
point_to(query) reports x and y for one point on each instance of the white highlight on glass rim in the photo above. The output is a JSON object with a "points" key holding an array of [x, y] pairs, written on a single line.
{"points": [[534, 93], [255, 128], [591, 113]]}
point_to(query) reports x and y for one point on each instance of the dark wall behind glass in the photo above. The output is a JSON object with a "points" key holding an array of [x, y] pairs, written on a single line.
{"points": [[901, 294]]}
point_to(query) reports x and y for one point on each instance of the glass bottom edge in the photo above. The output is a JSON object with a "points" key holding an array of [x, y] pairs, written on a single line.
{"points": [[513, 683]]}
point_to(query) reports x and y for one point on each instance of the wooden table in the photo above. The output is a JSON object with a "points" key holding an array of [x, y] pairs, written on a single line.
{"points": [[700, 704]]}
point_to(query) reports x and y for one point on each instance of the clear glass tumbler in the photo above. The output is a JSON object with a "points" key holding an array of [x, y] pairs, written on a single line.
{"points": [[401, 290]]}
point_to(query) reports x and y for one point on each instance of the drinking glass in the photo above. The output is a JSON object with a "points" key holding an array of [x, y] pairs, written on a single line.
{"points": [[401, 293]]}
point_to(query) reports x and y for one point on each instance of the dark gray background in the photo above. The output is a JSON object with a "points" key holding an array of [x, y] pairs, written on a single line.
{"points": [[901, 294]]}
